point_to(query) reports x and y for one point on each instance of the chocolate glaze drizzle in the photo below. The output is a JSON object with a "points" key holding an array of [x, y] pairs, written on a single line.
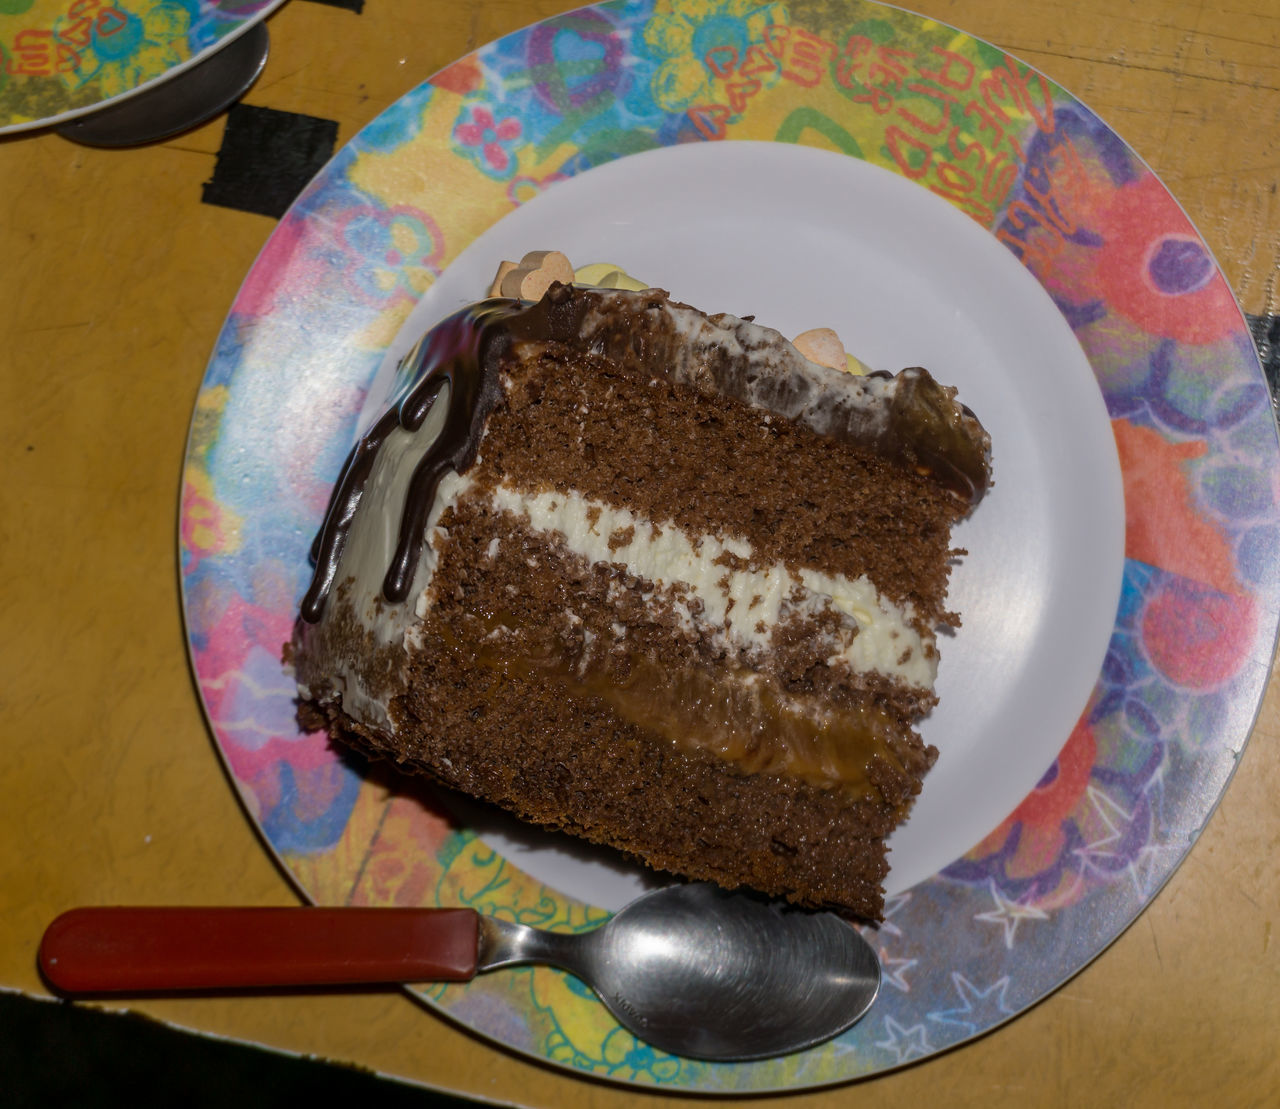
{"points": [[458, 352], [918, 423]]}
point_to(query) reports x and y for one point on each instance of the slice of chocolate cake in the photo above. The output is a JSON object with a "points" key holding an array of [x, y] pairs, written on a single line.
{"points": [[653, 578]]}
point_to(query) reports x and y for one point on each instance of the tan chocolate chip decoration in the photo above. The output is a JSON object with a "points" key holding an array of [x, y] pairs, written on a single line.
{"points": [[533, 276], [504, 268], [822, 345]]}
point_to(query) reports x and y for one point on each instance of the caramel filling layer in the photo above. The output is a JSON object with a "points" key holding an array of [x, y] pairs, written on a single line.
{"points": [[739, 715]]}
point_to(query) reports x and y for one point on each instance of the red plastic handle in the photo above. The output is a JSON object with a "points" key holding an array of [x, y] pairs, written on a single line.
{"points": [[139, 950]]}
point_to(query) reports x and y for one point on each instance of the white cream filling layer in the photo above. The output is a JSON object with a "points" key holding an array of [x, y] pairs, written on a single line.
{"points": [[744, 606]]}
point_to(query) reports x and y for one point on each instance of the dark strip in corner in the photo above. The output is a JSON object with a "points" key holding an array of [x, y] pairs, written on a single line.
{"points": [[1266, 334], [356, 6], [59, 1053], [267, 157]]}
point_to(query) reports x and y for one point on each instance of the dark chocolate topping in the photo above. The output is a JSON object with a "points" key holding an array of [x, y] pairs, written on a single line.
{"points": [[917, 423], [456, 351]]}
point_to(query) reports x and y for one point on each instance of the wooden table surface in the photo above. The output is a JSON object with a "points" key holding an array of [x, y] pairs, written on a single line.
{"points": [[116, 279]]}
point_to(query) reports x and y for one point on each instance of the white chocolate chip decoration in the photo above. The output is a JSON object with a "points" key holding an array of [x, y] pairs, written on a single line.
{"points": [[605, 275]]}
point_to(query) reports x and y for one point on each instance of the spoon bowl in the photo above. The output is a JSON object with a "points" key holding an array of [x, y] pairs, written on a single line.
{"points": [[697, 971]]}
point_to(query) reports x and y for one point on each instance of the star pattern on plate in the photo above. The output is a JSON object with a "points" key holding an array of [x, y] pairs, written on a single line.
{"points": [[905, 1043], [892, 906], [893, 971], [1153, 864], [1158, 857], [1009, 914], [1099, 856], [1154, 792], [978, 1008]]}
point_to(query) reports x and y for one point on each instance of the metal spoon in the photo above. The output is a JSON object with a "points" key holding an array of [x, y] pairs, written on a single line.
{"points": [[179, 102], [690, 969]]}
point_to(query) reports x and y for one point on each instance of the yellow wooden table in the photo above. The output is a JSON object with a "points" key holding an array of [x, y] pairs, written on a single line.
{"points": [[116, 279]]}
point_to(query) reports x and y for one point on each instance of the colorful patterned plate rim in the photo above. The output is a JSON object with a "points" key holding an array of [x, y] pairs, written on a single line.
{"points": [[60, 59], [1187, 659]]}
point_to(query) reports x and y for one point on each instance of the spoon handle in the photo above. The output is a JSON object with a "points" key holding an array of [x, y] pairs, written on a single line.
{"points": [[140, 950]]}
